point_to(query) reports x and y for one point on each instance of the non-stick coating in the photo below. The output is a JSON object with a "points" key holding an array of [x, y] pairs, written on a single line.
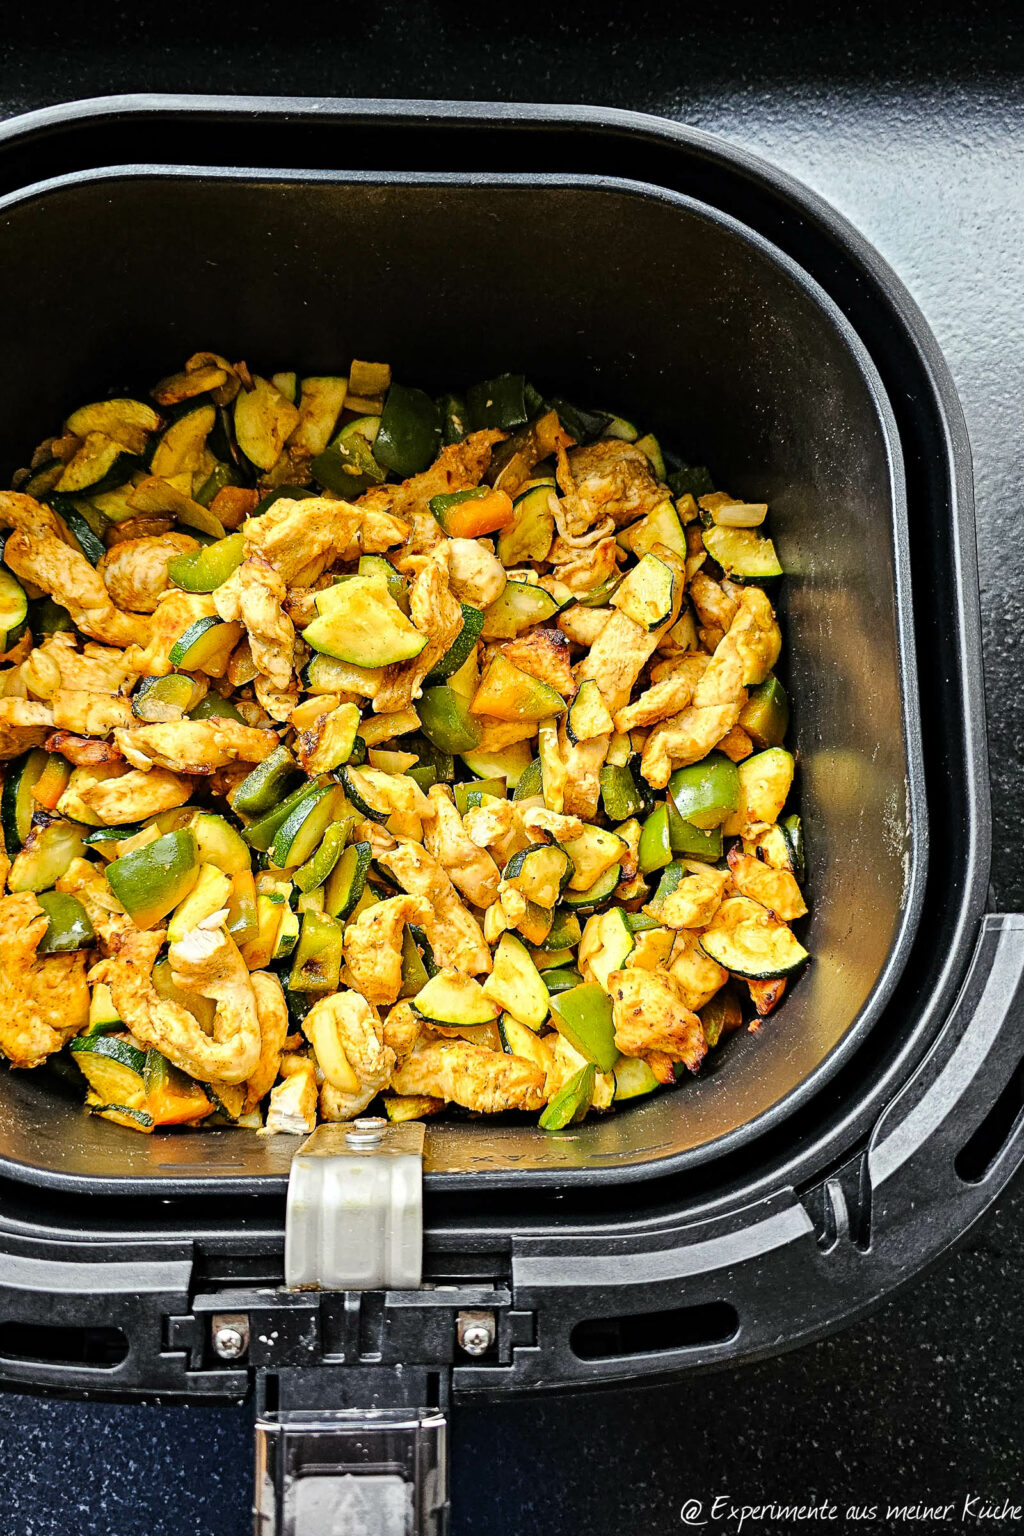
{"points": [[616, 295]]}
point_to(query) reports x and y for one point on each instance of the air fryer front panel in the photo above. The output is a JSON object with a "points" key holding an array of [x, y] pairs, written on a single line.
{"points": [[615, 295]]}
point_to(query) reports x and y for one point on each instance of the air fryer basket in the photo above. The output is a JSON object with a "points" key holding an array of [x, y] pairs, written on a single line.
{"points": [[880, 1112], [724, 347]]}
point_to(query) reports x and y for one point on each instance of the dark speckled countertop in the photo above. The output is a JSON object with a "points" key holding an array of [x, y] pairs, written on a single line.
{"points": [[910, 118]]}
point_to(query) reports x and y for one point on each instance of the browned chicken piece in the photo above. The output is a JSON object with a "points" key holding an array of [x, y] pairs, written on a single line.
{"points": [[649, 1016], [460, 943], [583, 625], [373, 945], [348, 1038], [135, 570], [206, 961], [475, 574], [470, 1075], [715, 608], [496, 735], [686, 738], [44, 1000], [425, 538], [39, 550], [695, 975], [581, 570], [612, 479], [89, 714], [544, 654], [619, 655], [118, 798], [24, 714], [695, 899], [435, 613], [174, 613], [194, 746], [471, 870], [458, 467], [736, 744], [272, 1012], [91, 669], [255, 596], [88, 882], [669, 695], [583, 763], [301, 538], [537, 819], [402, 1029]]}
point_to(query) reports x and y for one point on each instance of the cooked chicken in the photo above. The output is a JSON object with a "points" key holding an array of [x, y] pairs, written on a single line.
{"points": [[373, 945], [581, 570], [671, 692], [44, 1000], [24, 714], [135, 570], [467, 1074], [695, 900], [174, 613], [402, 1028], [255, 596], [695, 975], [475, 575], [618, 656], [460, 942], [716, 608], [583, 763], [110, 797], [39, 551], [292, 1109], [272, 1012], [88, 882], [194, 746], [611, 479], [470, 869], [559, 827], [436, 613], [583, 625], [301, 537], [93, 669], [544, 654], [206, 961], [89, 714], [348, 1039], [649, 1016], [458, 467]]}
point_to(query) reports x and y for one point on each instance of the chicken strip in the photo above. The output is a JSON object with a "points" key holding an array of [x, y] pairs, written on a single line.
{"points": [[93, 669], [458, 467], [435, 613], [471, 1075], [255, 595], [612, 479], [304, 537], [348, 1038], [671, 693], [292, 1107], [469, 867], [402, 1029], [649, 1016], [43, 1000], [272, 1012], [89, 714], [206, 961], [194, 746], [39, 550], [174, 613], [117, 798], [135, 570], [544, 654], [619, 655], [373, 945], [459, 941]]}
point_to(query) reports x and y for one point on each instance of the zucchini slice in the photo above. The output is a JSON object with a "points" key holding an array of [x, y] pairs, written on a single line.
{"points": [[316, 964], [320, 863], [621, 796], [647, 593], [633, 1078], [207, 569], [13, 610], [158, 700], [765, 781], [99, 465], [649, 445], [260, 834], [509, 763], [114, 1069], [360, 622], [302, 831], [518, 1040], [451, 999], [584, 1016], [565, 931], [219, 843], [120, 1114], [533, 529], [461, 647], [321, 399], [606, 944], [744, 554], [476, 791], [515, 983], [263, 420], [446, 721], [400, 1107], [588, 715], [103, 1016], [347, 880], [561, 978], [540, 872], [211, 892], [748, 941], [592, 853], [128, 422], [206, 646], [522, 605], [17, 803], [347, 465], [414, 972], [182, 447], [602, 890], [68, 926], [46, 854], [662, 526], [151, 881]]}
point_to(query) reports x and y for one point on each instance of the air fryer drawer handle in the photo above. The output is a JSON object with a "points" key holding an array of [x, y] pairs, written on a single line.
{"points": [[346, 1470]]}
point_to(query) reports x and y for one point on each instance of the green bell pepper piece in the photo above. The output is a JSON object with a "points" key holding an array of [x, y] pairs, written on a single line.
{"points": [[690, 842], [265, 786], [445, 720], [410, 432], [655, 850], [765, 716], [150, 881], [68, 926], [570, 1104], [207, 569], [316, 869], [454, 419], [316, 966], [499, 402], [620, 794], [706, 793]]}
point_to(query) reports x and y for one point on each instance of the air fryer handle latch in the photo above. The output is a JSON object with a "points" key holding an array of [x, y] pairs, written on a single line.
{"points": [[382, 1472]]}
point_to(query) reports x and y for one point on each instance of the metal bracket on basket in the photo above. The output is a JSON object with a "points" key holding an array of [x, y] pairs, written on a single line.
{"points": [[354, 1223]]}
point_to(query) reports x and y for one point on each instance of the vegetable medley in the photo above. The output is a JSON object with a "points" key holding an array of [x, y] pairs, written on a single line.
{"points": [[360, 743]]}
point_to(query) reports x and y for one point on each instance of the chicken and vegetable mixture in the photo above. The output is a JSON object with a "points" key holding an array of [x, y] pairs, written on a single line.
{"points": [[360, 743]]}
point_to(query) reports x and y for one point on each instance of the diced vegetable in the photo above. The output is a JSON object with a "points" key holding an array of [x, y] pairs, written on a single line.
{"points": [[263, 420], [347, 880], [765, 716], [17, 801], [655, 850], [267, 785], [499, 402], [508, 693], [446, 721], [151, 881], [46, 854], [530, 534], [316, 964], [515, 983], [206, 646], [605, 946], [14, 611], [647, 594], [540, 872], [748, 941], [570, 1104], [114, 1068], [452, 999], [584, 1016], [360, 622], [209, 568], [706, 793], [160, 699], [744, 554], [461, 648], [68, 926]]}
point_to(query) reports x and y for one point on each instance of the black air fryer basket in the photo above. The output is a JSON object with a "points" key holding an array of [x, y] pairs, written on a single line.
{"points": [[877, 1115]]}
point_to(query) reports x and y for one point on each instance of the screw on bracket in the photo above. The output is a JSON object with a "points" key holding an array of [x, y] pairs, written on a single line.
{"points": [[475, 1331], [229, 1335], [367, 1132]]}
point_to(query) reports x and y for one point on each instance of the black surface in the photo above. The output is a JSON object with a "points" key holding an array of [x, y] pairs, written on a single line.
{"points": [[909, 119]]}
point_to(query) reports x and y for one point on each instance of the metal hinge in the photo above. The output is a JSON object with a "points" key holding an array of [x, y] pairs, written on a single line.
{"points": [[355, 1208]]}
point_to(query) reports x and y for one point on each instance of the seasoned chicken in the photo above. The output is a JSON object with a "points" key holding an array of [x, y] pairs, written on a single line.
{"points": [[174, 613], [38, 550], [89, 714], [348, 1038], [470, 869], [581, 570], [206, 961], [88, 882], [117, 797], [292, 1109], [694, 974], [24, 714], [610, 479], [670, 693], [272, 1012], [460, 943], [373, 945], [475, 574], [44, 1000], [194, 746], [467, 1074], [618, 656], [301, 538], [583, 625], [649, 1016], [553, 824], [695, 900], [715, 607], [436, 613], [458, 467], [402, 1029], [583, 763], [544, 654], [255, 596], [92, 669], [135, 570]]}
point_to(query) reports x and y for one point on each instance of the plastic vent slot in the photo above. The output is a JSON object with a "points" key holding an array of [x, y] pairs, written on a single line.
{"points": [[104, 1348], [985, 1144], [648, 1333]]}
